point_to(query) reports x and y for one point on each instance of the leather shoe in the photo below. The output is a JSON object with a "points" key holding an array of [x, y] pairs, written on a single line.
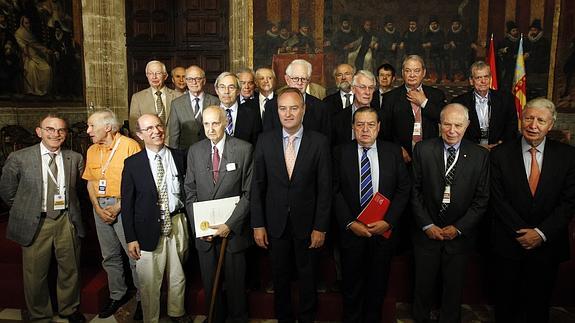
{"points": [[75, 317], [138, 315], [181, 319], [111, 308]]}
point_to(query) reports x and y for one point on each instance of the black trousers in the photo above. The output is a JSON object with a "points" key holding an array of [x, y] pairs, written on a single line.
{"points": [[365, 267], [524, 288], [283, 251]]}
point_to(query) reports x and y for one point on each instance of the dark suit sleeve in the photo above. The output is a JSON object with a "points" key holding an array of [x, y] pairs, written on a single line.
{"points": [[510, 126], [259, 186], [402, 189], [341, 208], [480, 200], [500, 205], [241, 211], [324, 187], [190, 188], [128, 190], [270, 115], [422, 217], [556, 222], [386, 115], [10, 178]]}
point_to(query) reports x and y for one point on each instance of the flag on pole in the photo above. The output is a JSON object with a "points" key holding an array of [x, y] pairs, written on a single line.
{"points": [[492, 66], [519, 86]]}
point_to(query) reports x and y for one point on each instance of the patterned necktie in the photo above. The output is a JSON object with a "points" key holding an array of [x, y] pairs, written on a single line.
{"points": [[216, 164], [160, 110], [166, 225], [417, 119], [366, 186], [196, 107], [52, 189], [230, 126], [535, 171], [347, 101], [448, 177], [290, 155]]}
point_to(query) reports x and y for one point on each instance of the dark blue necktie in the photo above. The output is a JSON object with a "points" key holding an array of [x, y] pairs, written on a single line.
{"points": [[365, 175]]}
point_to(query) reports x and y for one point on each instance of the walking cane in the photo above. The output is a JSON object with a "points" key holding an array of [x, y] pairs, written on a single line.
{"points": [[217, 279]]}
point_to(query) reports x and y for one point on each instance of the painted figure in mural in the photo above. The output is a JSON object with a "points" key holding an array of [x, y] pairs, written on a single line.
{"points": [[9, 57], [389, 40], [537, 49], [434, 41], [342, 41], [412, 39], [569, 69], [363, 54], [66, 62], [35, 56], [507, 53], [459, 49], [267, 44], [305, 42]]}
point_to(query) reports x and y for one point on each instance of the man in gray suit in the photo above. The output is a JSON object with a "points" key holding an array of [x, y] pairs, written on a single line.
{"points": [[185, 121], [39, 185], [157, 99], [221, 167]]}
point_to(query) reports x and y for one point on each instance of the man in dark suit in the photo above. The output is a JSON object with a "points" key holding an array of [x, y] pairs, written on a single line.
{"points": [[291, 199], [362, 86], [155, 224], [246, 78], [243, 121], [450, 194], [39, 184], [411, 112], [317, 117], [532, 207], [385, 78], [492, 115], [266, 83], [221, 167], [343, 74], [185, 122], [362, 167]]}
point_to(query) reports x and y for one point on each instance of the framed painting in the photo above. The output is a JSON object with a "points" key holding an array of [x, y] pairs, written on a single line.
{"points": [[41, 53]]}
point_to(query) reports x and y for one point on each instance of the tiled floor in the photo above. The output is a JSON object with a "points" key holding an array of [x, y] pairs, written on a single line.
{"points": [[470, 314]]}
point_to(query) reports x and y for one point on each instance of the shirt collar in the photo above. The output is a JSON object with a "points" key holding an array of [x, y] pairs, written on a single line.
{"points": [[480, 98], [456, 146], [373, 146], [152, 154], [343, 94], [200, 96], [298, 134], [44, 150], [418, 88], [219, 145], [525, 146], [234, 106]]}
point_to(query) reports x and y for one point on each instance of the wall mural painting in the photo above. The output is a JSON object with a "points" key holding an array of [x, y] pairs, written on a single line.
{"points": [[40, 52], [368, 33]]}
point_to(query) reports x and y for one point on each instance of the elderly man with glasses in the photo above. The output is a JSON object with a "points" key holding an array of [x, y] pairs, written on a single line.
{"points": [[317, 116], [184, 127], [155, 99]]}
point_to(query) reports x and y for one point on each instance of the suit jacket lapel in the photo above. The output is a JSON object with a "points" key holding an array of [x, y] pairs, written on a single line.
{"points": [[473, 118], [67, 161], [461, 162], [302, 151], [519, 171], [549, 159], [354, 171], [226, 157], [279, 153], [37, 168]]}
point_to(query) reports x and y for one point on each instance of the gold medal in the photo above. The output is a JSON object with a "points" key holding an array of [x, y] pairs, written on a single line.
{"points": [[204, 225]]}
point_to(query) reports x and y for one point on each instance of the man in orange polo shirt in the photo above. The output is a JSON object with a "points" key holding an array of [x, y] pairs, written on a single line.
{"points": [[104, 165]]}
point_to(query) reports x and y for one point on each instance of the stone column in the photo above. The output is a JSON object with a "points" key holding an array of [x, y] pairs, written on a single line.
{"points": [[241, 26]]}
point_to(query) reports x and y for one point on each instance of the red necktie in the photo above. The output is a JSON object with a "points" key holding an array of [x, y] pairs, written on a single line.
{"points": [[216, 164], [535, 172]]}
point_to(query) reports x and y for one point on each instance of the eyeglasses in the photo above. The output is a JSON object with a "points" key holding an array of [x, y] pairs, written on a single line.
{"points": [[52, 131], [230, 88], [156, 74], [194, 79], [151, 129], [365, 87], [299, 79]]}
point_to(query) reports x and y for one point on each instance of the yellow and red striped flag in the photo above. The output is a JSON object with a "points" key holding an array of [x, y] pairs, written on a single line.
{"points": [[519, 81], [492, 65]]}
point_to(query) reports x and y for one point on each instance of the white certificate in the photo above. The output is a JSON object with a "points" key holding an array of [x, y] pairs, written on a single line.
{"points": [[212, 212]]}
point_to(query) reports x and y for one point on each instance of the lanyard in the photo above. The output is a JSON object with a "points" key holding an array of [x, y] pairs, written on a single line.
{"points": [[452, 164], [52, 174], [105, 167]]}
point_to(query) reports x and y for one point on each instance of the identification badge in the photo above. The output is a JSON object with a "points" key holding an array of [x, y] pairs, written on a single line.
{"points": [[59, 202], [102, 186], [447, 195], [417, 129], [231, 167]]}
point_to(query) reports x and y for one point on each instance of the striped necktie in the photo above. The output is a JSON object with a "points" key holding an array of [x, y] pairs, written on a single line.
{"points": [[366, 186]]}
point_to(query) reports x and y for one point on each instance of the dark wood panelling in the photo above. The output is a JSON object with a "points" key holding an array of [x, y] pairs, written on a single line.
{"points": [[522, 15], [177, 33], [496, 24]]}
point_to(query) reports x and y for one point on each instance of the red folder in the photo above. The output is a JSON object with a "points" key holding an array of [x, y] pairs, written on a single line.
{"points": [[375, 211]]}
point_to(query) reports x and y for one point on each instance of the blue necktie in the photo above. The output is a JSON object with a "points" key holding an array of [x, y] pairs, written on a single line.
{"points": [[230, 126], [365, 175]]}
